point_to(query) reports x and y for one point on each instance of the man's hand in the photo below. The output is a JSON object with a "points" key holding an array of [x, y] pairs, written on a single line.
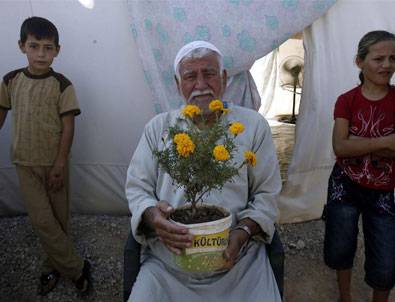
{"points": [[175, 237], [237, 238], [56, 178]]}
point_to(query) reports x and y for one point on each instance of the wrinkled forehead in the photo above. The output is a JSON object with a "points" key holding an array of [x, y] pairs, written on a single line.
{"points": [[194, 49], [207, 62]]}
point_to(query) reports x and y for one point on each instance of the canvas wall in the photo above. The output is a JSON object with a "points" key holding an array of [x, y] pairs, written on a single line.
{"points": [[98, 54]]}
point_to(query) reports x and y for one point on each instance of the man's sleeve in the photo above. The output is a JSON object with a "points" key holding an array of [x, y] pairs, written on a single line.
{"points": [[5, 100], [264, 183], [141, 181], [68, 103]]}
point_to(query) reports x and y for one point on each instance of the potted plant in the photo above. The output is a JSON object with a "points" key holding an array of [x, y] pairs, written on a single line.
{"points": [[199, 158]]}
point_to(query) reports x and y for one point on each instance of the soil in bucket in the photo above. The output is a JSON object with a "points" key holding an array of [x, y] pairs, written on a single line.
{"points": [[201, 214], [210, 226]]}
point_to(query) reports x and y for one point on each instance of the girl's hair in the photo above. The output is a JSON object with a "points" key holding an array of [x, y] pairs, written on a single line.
{"points": [[370, 39]]}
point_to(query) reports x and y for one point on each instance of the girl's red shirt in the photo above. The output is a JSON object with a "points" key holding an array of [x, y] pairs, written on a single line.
{"points": [[368, 119]]}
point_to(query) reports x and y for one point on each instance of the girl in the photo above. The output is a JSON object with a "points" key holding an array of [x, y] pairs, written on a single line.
{"points": [[363, 178]]}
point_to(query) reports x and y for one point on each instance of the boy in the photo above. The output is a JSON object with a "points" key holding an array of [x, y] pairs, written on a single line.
{"points": [[44, 104]]}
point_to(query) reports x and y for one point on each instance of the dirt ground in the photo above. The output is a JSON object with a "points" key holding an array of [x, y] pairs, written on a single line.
{"points": [[307, 279], [101, 240]]}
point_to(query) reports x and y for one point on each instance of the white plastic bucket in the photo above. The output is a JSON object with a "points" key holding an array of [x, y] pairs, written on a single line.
{"points": [[210, 240]]}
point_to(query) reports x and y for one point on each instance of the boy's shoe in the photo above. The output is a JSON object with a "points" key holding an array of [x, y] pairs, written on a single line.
{"points": [[84, 283], [48, 282]]}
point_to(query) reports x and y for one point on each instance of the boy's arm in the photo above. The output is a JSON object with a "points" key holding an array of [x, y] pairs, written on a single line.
{"points": [[3, 115], [56, 175]]}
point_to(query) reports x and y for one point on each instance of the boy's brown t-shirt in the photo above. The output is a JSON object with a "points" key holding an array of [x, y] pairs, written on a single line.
{"points": [[37, 103]]}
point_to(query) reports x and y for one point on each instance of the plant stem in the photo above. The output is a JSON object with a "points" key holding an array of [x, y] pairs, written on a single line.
{"points": [[242, 164], [201, 195]]}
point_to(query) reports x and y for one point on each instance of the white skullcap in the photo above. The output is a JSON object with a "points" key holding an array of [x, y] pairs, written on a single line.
{"points": [[186, 49]]}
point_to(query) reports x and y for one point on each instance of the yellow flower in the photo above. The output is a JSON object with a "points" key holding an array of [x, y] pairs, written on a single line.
{"points": [[216, 105], [179, 137], [236, 128], [220, 153], [250, 158], [225, 111], [185, 145], [185, 149], [191, 110]]}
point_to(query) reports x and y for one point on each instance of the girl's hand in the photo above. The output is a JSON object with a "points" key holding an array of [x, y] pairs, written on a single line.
{"points": [[354, 137], [346, 145], [385, 154], [389, 141]]}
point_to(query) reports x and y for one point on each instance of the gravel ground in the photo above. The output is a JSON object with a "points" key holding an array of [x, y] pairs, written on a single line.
{"points": [[101, 239]]}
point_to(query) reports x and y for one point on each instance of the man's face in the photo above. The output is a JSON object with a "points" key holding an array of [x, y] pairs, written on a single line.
{"points": [[201, 81], [40, 54]]}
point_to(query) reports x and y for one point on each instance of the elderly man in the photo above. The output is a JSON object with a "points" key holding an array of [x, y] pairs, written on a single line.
{"points": [[250, 197]]}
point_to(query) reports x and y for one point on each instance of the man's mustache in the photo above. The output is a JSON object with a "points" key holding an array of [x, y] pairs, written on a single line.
{"points": [[199, 93]]}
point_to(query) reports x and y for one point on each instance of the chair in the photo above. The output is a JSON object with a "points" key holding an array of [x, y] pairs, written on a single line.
{"points": [[131, 266]]}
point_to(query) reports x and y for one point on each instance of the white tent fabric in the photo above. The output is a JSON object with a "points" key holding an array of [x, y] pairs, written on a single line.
{"points": [[243, 30], [101, 59], [277, 100], [265, 73], [330, 48]]}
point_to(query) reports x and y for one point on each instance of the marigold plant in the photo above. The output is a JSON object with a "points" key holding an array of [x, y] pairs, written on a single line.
{"points": [[220, 153], [250, 158], [236, 128], [216, 105], [191, 110], [184, 144], [201, 158]]}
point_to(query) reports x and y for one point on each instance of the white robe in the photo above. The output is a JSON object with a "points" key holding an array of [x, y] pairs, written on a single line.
{"points": [[252, 193]]}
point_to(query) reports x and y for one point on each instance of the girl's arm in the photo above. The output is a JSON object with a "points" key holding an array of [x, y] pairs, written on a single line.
{"points": [[381, 153], [346, 146], [385, 153]]}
